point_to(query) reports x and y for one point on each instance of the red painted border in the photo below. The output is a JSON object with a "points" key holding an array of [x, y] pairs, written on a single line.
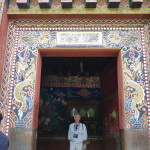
{"points": [[37, 90], [79, 52], [79, 16], [3, 37], [120, 91]]}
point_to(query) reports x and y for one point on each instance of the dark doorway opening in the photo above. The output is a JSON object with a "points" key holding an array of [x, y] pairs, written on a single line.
{"points": [[84, 84]]}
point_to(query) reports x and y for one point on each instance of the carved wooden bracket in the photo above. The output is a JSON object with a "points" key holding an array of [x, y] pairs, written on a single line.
{"points": [[90, 3], [113, 3], [66, 3], [135, 3], [44, 3], [23, 3]]}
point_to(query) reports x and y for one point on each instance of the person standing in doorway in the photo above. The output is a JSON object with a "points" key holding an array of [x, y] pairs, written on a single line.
{"points": [[4, 142], [77, 133]]}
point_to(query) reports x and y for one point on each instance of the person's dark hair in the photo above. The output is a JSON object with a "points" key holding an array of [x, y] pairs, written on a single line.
{"points": [[1, 117]]}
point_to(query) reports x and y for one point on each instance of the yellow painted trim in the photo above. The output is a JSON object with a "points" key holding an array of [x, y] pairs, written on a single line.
{"points": [[52, 10]]}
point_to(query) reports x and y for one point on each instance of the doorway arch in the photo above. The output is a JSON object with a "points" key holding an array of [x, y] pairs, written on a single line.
{"points": [[79, 52]]}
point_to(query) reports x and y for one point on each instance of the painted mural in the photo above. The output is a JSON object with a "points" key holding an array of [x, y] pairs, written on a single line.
{"points": [[135, 100], [55, 114], [68, 93], [29, 40], [52, 113]]}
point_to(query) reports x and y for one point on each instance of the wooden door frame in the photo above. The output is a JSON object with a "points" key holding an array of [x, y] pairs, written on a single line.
{"points": [[79, 52]]}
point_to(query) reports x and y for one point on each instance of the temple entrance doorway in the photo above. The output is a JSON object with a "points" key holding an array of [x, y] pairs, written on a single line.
{"points": [[87, 85]]}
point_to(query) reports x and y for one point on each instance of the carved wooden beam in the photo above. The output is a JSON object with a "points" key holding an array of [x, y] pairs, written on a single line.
{"points": [[66, 3], [23, 3], [135, 3], [44, 3], [90, 3], [113, 3]]}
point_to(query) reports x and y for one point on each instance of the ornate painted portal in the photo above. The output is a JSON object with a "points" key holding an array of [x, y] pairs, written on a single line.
{"points": [[25, 37]]}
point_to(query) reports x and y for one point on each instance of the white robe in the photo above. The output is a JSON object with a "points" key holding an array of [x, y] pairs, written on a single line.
{"points": [[82, 133]]}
